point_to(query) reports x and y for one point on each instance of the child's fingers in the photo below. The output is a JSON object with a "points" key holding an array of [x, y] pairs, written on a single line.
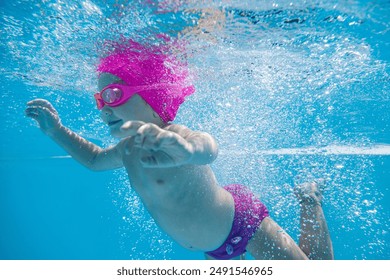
{"points": [[37, 101], [149, 129], [35, 113], [167, 137], [158, 159], [130, 128], [40, 114], [42, 103], [39, 110], [147, 136], [32, 113]]}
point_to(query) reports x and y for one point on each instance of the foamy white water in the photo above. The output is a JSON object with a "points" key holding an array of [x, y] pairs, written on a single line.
{"points": [[378, 150]]}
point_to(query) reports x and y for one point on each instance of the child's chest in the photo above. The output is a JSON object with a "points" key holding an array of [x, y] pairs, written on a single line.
{"points": [[156, 182]]}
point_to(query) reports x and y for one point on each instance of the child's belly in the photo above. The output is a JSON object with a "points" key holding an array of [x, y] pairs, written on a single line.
{"points": [[187, 203]]}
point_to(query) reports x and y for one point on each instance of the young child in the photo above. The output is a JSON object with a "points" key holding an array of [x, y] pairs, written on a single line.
{"points": [[141, 90]]}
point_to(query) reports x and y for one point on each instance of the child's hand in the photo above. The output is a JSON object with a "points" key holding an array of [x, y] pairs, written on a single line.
{"points": [[44, 113], [162, 148]]}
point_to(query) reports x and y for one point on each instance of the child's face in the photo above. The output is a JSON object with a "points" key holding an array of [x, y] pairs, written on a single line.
{"points": [[134, 109]]}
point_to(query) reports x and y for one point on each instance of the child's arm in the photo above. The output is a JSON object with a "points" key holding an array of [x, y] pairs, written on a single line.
{"points": [[172, 146], [204, 146], [85, 152]]}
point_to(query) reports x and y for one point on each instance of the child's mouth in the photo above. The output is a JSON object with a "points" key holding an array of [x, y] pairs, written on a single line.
{"points": [[113, 122]]}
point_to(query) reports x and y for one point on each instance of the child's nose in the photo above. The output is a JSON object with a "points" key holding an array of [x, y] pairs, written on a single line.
{"points": [[106, 111]]}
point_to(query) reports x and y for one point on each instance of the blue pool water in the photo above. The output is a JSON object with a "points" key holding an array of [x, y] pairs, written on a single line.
{"points": [[291, 90]]}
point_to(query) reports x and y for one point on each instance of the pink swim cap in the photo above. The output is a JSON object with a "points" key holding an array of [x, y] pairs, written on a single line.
{"points": [[138, 65]]}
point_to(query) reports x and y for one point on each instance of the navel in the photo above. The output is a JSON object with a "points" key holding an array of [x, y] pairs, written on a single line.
{"points": [[160, 182]]}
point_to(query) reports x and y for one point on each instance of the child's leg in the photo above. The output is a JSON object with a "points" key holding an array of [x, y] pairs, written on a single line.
{"points": [[272, 242], [314, 239]]}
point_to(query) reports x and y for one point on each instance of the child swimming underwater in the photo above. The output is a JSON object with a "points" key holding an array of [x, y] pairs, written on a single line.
{"points": [[168, 164]]}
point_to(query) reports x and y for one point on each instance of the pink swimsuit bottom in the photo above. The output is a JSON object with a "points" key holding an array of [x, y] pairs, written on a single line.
{"points": [[249, 213]]}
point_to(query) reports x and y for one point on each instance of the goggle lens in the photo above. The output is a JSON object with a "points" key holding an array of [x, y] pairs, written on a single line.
{"points": [[111, 95]]}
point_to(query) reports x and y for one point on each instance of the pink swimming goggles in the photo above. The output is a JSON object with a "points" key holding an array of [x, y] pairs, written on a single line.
{"points": [[117, 94]]}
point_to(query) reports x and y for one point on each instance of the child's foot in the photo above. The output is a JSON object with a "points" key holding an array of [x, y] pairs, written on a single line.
{"points": [[310, 193]]}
